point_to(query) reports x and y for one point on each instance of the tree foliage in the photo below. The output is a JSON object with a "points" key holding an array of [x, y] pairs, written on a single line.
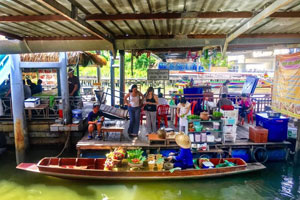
{"points": [[216, 61]]}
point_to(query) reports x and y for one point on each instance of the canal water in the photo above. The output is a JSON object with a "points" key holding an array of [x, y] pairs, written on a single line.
{"points": [[279, 181]]}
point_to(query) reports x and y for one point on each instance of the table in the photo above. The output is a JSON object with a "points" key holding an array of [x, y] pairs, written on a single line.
{"points": [[112, 129], [41, 107]]}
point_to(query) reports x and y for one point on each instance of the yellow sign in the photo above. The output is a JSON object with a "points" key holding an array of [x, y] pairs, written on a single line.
{"points": [[286, 85]]}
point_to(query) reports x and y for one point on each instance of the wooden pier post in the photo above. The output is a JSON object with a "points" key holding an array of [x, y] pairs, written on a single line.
{"points": [[112, 80], [63, 75], [297, 148], [17, 95]]}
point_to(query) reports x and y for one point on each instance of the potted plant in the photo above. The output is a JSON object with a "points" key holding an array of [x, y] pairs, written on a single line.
{"points": [[216, 115], [135, 157]]}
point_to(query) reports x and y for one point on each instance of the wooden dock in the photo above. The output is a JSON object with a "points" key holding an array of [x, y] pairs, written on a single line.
{"points": [[113, 141]]}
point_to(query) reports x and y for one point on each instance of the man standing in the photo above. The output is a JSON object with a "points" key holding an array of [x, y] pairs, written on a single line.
{"points": [[74, 84], [224, 88], [27, 91], [95, 119], [224, 101], [31, 85]]}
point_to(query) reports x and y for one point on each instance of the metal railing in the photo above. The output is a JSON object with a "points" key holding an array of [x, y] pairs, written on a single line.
{"points": [[52, 109], [259, 101]]}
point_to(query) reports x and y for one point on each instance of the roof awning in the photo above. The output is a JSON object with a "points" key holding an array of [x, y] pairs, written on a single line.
{"points": [[74, 58]]}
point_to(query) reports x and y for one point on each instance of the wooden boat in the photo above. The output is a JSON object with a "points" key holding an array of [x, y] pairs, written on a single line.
{"points": [[88, 168]]}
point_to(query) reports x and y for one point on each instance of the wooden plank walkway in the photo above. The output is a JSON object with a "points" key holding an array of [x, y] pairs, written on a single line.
{"points": [[113, 141]]}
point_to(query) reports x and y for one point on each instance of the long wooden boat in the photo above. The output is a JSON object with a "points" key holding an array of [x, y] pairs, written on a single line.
{"points": [[87, 168]]}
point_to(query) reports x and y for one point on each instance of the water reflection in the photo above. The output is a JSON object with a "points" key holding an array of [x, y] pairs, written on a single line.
{"points": [[287, 184], [280, 181]]}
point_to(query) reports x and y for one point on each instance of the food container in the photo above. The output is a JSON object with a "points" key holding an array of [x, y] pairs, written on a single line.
{"points": [[32, 102], [191, 136], [158, 156], [207, 165], [151, 165], [203, 137], [198, 128], [161, 133], [210, 138], [204, 116], [151, 157], [168, 166], [160, 166], [216, 125], [197, 137], [197, 123]]}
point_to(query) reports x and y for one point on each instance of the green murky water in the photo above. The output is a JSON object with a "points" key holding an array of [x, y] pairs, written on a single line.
{"points": [[279, 181]]}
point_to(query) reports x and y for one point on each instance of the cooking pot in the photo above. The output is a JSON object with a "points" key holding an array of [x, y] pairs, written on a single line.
{"points": [[204, 116], [161, 133]]}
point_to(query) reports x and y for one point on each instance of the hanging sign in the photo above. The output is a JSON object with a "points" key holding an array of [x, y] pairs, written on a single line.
{"points": [[157, 74], [286, 85]]}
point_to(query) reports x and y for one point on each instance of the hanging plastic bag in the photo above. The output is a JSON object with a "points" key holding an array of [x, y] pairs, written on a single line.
{"points": [[1, 108]]}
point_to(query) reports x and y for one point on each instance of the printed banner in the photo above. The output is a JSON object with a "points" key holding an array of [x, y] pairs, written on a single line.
{"points": [[286, 85]]}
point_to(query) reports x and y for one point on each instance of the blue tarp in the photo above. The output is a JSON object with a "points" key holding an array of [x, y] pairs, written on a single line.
{"points": [[4, 71]]}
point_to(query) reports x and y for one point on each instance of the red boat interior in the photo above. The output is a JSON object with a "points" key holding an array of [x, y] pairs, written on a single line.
{"points": [[98, 163], [75, 163]]}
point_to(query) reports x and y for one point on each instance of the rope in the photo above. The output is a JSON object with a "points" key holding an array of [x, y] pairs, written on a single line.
{"points": [[66, 144]]}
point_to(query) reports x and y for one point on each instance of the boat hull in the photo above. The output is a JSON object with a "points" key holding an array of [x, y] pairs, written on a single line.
{"points": [[98, 174]]}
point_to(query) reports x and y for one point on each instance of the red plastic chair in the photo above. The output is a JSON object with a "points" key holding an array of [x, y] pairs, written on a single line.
{"points": [[193, 105], [250, 114], [162, 112]]}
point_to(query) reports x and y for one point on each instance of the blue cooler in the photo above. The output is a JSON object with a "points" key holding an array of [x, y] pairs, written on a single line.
{"points": [[278, 127]]}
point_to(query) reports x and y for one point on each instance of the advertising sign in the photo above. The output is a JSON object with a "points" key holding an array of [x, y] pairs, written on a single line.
{"points": [[286, 85], [157, 74]]}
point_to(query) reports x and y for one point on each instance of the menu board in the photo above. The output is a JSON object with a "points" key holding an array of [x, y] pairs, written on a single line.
{"points": [[48, 76], [286, 85], [158, 74]]}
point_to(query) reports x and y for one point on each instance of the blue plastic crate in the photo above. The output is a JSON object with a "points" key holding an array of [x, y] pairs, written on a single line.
{"points": [[277, 127]]}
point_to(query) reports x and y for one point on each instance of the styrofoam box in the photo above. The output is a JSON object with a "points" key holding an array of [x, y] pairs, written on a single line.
{"points": [[32, 102], [229, 121], [229, 137], [230, 113], [229, 129]]}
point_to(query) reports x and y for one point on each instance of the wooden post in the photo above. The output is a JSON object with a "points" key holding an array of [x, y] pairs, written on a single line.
{"points": [[64, 87], [131, 64], [122, 76], [112, 80], [98, 74], [297, 147], [17, 95]]}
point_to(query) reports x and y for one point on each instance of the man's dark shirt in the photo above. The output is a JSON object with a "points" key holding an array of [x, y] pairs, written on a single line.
{"points": [[72, 82], [93, 116]]}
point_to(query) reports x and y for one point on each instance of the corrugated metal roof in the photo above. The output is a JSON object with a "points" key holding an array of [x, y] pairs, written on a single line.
{"points": [[145, 27]]}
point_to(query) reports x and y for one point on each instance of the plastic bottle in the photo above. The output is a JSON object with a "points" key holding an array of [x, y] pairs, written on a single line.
{"points": [[60, 110]]}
